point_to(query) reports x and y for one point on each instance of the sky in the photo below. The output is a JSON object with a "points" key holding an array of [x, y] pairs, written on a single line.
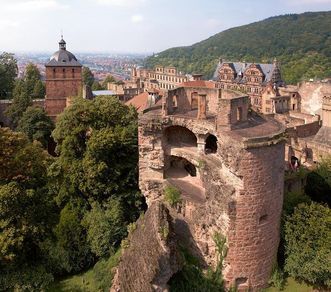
{"points": [[136, 26]]}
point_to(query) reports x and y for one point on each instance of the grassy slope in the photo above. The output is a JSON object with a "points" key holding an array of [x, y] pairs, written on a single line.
{"points": [[302, 42], [94, 280], [292, 286]]}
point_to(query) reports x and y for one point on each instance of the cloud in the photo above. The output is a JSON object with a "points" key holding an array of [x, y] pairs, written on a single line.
{"points": [[34, 5], [137, 18], [122, 3]]}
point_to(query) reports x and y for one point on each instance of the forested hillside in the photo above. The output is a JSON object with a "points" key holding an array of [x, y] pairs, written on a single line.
{"points": [[301, 42]]}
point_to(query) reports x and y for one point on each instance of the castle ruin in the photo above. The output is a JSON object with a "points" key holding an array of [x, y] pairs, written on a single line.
{"points": [[228, 164]]}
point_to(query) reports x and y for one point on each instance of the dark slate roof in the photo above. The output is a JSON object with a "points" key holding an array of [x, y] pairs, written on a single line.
{"points": [[63, 57], [267, 69]]}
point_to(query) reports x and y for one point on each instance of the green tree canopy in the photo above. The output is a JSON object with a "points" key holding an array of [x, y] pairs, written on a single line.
{"points": [[36, 125], [318, 185], [88, 77], [8, 73], [25, 91], [33, 83], [301, 42], [109, 78], [106, 227], [26, 210], [94, 178], [97, 86], [21, 101], [308, 244]]}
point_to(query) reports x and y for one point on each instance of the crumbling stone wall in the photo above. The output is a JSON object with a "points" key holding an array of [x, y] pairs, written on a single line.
{"points": [[152, 255], [312, 94]]}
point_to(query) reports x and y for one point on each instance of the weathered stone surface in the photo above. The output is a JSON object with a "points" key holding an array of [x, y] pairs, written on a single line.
{"points": [[152, 256], [235, 190]]}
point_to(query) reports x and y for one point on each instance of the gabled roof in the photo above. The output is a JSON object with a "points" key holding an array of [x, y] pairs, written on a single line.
{"points": [[267, 69]]}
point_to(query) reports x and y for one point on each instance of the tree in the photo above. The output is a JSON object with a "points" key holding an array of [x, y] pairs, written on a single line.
{"points": [[27, 213], [308, 244], [71, 238], [8, 72], [39, 90], [95, 178], [318, 186], [88, 77], [97, 147], [25, 91], [21, 101], [36, 125], [108, 79], [22, 161], [31, 78], [97, 86], [105, 227]]}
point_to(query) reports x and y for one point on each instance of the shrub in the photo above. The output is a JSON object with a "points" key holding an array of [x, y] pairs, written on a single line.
{"points": [[277, 278], [308, 244], [172, 195]]}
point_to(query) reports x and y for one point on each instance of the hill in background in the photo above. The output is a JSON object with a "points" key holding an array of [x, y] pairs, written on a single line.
{"points": [[301, 42]]}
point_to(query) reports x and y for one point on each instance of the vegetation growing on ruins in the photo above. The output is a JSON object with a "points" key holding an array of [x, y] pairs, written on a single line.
{"points": [[172, 195], [193, 278], [301, 42]]}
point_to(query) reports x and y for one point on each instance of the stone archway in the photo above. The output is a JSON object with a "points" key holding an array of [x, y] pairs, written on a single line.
{"points": [[211, 144], [180, 136], [179, 167]]}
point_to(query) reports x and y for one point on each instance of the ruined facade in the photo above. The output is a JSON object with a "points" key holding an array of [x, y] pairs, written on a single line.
{"points": [[228, 164], [251, 78], [161, 78], [63, 80]]}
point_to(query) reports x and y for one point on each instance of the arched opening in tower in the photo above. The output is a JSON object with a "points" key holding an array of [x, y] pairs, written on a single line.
{"points": [[211, 144], [183, 175], [179, 167], [180, 136]]}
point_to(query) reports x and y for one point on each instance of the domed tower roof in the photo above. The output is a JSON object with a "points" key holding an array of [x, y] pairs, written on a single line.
{"points": [[62, 57]]}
